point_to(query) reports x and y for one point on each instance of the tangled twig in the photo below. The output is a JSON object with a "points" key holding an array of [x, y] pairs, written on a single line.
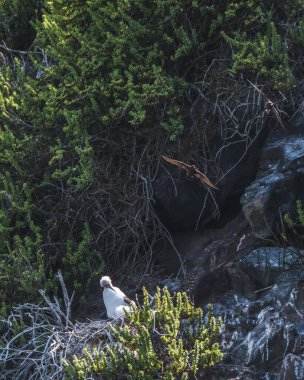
{"points": [[37, 338]]}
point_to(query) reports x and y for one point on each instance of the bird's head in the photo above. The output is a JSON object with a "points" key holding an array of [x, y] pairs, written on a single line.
{"points": [[105, 282]]}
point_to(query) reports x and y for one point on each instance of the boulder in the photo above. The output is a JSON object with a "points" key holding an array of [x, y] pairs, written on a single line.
{"points": [[276, 330], [261, 339], [181, 201], [213, 285], [265, 264], [203, 251], [279, 181]]}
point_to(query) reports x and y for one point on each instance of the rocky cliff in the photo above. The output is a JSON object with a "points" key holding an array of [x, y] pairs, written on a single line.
{"points": [[248, 263]]}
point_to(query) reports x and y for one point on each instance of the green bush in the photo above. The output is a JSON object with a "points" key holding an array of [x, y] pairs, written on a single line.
{"points": [[100, 81], [121, 63], [297, 220], [172, 340], [266, 39], [22, 265], [36, 238]]}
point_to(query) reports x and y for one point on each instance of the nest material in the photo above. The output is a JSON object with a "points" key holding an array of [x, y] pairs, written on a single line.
{"points": [[35, 339]]}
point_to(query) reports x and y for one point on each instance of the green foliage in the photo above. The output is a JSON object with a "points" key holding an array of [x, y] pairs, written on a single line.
{"points": [[292, 231], [122, 62], [96, 72], [76, 259], [22, 265], [266, 39], [29, 255], [291, 222], [172, 340]]}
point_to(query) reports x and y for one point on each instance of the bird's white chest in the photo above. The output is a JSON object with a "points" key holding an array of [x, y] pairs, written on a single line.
{"points": [[113, 301]]}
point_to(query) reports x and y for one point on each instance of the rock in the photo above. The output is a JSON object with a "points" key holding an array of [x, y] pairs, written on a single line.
{"points": [[185, 204], [228, 372], [257, 340], [261, 334], [292, 368], [206, 250], [263, 346], [173, 285], [275, 297], [214, 284], [279, 181], [181, 202], [265, 264]]}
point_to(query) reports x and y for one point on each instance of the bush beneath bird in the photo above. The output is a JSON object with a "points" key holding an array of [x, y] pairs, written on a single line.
{"points": [[172, 340]]}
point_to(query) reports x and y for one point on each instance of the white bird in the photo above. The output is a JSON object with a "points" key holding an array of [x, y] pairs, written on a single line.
{"points": [[115, 300]]}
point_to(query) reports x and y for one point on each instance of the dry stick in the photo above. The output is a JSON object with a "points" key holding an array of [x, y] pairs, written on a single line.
{"points": [[40, 354], [216, 212], [170, 239], [261, 290], [241, 158], [67, 300], [269, 106], [4, 47], [51, 306]]}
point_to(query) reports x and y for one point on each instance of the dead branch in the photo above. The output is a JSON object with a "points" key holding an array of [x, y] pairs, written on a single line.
{"points": [[46, 336]]}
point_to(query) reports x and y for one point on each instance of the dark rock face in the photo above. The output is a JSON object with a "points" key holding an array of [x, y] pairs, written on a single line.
{"points": [[257, 288], [262, 339], [280, 180], [213, 285], [205, 251], [292, 368], [183, 203], [265, 263], [180, 200], [263, 330]]}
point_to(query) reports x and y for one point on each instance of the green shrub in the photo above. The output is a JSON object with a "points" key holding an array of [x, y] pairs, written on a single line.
{"points": [[266, 39], [100, 81], [172, 340], [34, 241], [22, 265], [294, 222], [123, 63]]}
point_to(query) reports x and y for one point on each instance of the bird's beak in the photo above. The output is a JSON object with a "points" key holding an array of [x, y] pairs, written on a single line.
{"points": [[111, 287]]}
